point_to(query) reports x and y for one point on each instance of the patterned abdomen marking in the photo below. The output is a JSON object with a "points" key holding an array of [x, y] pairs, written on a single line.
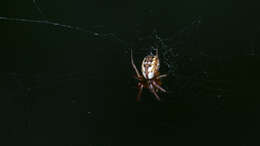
{"points": [[150, 66]]}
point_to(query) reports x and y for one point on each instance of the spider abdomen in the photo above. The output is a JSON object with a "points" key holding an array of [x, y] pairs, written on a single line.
{"points": [[150, 66]]}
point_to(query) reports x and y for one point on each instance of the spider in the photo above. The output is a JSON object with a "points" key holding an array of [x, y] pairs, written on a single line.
{"points": [[150, 77]]}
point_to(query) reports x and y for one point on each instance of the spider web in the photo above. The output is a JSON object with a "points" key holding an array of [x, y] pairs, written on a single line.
{"points": [[44, 20], [186, 72]]}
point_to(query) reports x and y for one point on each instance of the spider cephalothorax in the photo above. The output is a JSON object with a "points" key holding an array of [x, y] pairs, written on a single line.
{"points": [[150, 77]]}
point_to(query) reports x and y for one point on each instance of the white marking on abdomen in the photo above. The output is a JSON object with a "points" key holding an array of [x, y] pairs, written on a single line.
{"points": [[150, 75]]}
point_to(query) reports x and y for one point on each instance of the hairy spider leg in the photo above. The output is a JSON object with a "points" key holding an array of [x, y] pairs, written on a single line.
{"points": [[133, 64], [158, 86], [139, 92], [161, 76], [153, 91], [157, 53]]}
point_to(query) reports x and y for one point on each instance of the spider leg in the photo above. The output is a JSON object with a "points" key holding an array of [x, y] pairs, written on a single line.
{"points": [[157, 52], [161, 76], [153, 91], [133, 64], [140, 92], [158, 86]]}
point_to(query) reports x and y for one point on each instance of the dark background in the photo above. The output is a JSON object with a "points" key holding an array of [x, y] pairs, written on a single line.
{"points": [[66, 87]]}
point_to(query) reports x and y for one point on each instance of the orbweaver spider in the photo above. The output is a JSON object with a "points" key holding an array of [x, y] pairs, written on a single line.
{"points": [[150, 77]]}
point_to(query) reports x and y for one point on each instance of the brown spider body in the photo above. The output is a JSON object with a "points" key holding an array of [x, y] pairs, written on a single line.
{"points": [[150, 77]]}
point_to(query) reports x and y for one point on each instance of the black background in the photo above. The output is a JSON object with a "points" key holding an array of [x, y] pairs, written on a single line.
{"points": [[66, 87]]}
